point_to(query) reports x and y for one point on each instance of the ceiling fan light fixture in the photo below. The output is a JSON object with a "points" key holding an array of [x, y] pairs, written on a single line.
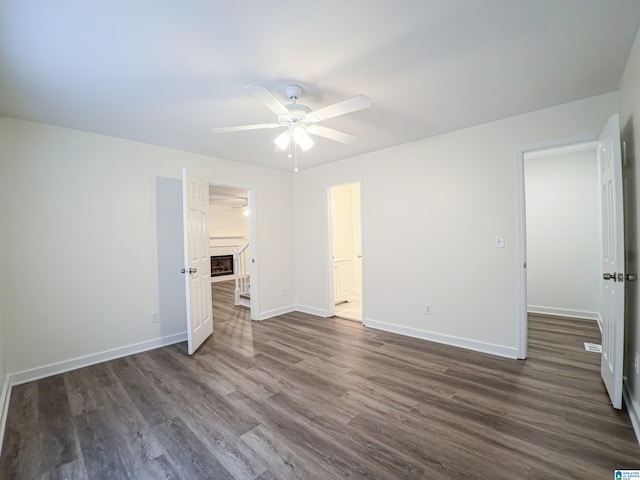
{"points": [[302, 138], [282, 140]]}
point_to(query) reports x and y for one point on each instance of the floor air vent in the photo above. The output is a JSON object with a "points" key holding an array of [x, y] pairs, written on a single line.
{"points": [[593, 347]]}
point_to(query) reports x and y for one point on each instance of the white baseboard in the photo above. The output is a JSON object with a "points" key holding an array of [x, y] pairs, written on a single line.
{"points": [[87, 360], [634, 411], [318, 312], [563, 312], [223, 278], [499, 350], [37, 373], [275, 312]]}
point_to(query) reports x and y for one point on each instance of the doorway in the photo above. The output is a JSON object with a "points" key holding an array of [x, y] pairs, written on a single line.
{"points": [[345, 247], [611, 276], [563, 231], [230, 242]]}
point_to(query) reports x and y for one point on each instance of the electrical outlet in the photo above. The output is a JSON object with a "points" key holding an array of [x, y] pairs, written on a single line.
{"points": [[428, 309], [155, 317], [284, 292]]}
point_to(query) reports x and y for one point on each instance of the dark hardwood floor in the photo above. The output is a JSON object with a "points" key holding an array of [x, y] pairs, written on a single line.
{"points": [[304, 397]]}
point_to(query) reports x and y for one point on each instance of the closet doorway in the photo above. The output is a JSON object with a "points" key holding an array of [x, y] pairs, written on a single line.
{"points": [[345, 248]]}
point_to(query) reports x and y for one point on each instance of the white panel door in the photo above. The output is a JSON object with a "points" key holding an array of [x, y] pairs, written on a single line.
{"points": [[610, 164], [342, 280], [197, 260]]}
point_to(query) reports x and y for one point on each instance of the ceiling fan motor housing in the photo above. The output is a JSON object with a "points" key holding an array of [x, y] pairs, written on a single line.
{"points": [[293, 92], [297, 114]]}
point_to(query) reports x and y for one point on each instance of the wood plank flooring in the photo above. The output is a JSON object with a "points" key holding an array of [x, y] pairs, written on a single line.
{"points": [[303, 397]]}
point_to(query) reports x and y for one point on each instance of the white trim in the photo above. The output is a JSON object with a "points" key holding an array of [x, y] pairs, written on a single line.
{"points": [[490, 348], [563, 149], [275, 312], [95, 358], [330, 283], [634, 411], [563, 312], [599, 320], [4, 406], [521, 278], [37, 373], [318, 312], [570, 142], [222, 278]]}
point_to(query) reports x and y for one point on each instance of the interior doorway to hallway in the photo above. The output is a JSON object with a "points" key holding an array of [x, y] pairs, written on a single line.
{"points": [[563, 231], [345, 247], [230, 231]]}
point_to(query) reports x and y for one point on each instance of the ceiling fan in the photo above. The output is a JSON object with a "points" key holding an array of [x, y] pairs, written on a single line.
{"points": [[299, 120]]}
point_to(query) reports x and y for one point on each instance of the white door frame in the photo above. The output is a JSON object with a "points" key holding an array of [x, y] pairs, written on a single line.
{"points": [[331, 308], [521, 228], [254, 305]]}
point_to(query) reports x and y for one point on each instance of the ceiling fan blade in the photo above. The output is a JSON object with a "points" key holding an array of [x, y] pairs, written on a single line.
{"points": [[353, 104], [240, 128], [331, 134], [265, 96]]}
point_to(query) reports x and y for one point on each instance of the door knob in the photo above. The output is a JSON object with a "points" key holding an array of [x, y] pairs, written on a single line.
{"points": [[630, 277], [193, 270], [609, 276]]}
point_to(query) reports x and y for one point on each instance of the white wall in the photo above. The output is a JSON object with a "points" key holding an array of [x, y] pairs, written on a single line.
{"points": [[342, 221], [630, 125], [3, 370], [4, 401], [439, 202], [80, 271], [563, 233], [225, 221]]}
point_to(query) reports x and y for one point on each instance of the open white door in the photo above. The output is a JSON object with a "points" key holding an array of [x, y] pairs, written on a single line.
{"points": [[197, 260], [610, 162]]}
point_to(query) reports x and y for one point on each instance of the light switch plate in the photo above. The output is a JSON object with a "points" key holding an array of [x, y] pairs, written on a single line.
{"points": [[499, 241]]}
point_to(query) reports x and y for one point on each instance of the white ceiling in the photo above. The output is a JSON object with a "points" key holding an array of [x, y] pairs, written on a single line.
{"points": [[167, 72], [228, 196]]}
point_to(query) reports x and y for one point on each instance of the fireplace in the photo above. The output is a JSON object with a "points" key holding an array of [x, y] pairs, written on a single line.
{"points": [[221, 265]]}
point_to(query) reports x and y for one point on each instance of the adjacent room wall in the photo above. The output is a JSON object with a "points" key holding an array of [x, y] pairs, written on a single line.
{"points": [[432, 210], [630, 127], [4, 383], [563, 233], [3, 369], [342, 221], [80, 274], [225, 221], [3, 288]]}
